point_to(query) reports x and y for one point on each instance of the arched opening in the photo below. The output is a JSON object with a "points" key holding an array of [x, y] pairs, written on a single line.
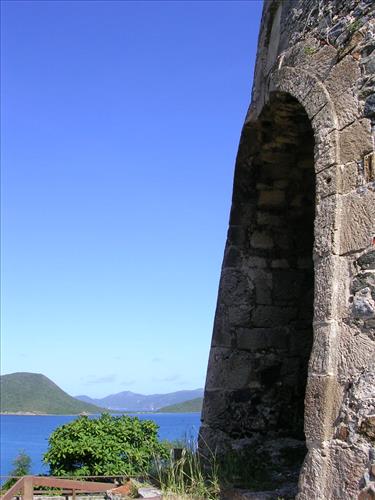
{"points": [[263, 331], [283, 237], [279, 255]]}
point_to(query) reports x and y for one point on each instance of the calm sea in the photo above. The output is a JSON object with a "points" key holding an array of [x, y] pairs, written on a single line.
{"points": [[30, 434]]}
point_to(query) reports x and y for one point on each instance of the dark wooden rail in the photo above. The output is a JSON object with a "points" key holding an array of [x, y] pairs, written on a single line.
{"points": [[25, 486]]}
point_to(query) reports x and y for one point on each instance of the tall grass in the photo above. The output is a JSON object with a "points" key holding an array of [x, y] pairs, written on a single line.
{"points": [[187, 476]]}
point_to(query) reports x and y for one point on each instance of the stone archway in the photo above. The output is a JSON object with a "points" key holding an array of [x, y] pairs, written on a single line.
{"points": [[281, 237], [266, 293], [268, 324]]}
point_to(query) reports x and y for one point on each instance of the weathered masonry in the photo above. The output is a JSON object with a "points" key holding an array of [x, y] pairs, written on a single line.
{"points": [[290, 392]]}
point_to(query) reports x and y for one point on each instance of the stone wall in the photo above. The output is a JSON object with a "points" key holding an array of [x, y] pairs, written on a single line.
{"points": [[291, 370]]}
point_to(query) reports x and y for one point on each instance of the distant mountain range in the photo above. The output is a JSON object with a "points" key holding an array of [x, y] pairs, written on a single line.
{"points": [[36, 394], [193, 405], [130, 401]]}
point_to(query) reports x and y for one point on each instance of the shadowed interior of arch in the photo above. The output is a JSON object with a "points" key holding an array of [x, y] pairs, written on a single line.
{"points": [[284, 235], [280, 189]]}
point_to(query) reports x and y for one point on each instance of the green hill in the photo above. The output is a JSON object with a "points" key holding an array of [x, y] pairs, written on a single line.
{"points": [[193, 405], [35, 393]]}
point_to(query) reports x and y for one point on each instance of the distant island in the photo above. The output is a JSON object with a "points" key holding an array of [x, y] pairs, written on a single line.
{"points": [[193, 405], [134, 402], [35, 394]]}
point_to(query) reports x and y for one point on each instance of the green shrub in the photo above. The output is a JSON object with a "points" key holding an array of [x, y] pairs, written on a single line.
{"points": [[106, 446], [21, 467]]}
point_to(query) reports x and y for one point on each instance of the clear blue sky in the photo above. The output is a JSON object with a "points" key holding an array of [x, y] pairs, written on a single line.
{"points": [[120, 126]]}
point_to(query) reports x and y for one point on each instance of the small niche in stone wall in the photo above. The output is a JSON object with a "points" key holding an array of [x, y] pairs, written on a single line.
{"points": [[369, 167]]}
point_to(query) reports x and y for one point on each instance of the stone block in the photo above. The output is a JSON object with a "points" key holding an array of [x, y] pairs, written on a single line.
{"points": [[213, 440], [237, 235], [288, 285], [326, 234], [367, 260], [363, 304], [280, 264], [273, 316], [235, 288], [261, 239], [322, 404], [369, 111], [328, 182], [324, 354], [368, 426], [315, 100], [363, 280], [348, 177], [263, 286], [356, 350], [326, 150], [242, 214], [253, 262], [357, 221], [230, 369], [313, 475], [347, 108], [314, 58], [215, 407], [265, 218], [331, 290], [221, 332], [355, 141], [296, 82], [324, 121], [271, 199], [347, 467], [340, 85], [152, 493], [239, 315], [258, 339], [232, 256]]}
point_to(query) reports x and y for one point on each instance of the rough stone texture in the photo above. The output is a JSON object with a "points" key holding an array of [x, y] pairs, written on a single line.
{"points": [[291, 378]]}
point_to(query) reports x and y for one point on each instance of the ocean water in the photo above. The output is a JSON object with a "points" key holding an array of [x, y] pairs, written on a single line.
{"points": [[30, 434]]}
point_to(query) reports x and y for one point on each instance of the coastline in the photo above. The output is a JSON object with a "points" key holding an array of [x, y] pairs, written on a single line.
{"points": [[36, 414], [125, 412]]}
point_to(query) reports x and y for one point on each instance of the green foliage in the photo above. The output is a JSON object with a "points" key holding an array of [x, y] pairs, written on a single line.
{"points": [[124, 446], [21, 467], [354, 26], [309, 51], [33, 392], [193, 405]]}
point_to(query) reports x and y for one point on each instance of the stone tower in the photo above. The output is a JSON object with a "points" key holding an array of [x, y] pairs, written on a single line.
{"points": [[290, 392]]}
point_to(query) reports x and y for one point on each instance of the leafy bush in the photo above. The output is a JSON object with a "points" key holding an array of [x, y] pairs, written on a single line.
{"points": [[106, 446], [21, 467]]}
